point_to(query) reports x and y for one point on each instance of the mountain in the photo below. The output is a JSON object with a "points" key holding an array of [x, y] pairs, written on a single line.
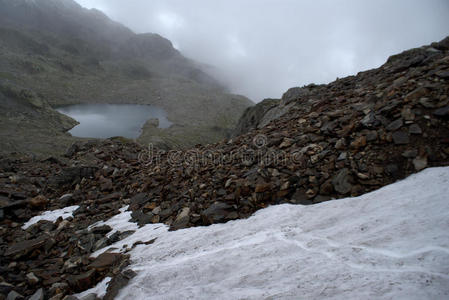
{"points": [[132, 221], [317, 144], [61, 53]]}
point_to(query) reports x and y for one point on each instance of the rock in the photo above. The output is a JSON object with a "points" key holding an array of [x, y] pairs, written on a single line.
{"points": [[106, 260], [228, 183], [286, 143], [263, 187], [38, 202], [143, 219], [410, 153], [66, 199], [340, 144], [13, 295], [83, 281], [359, 142], [341, 182], [4, 201], [38, 295], [216, 213], [138, 200], [32, 279], [103, 229], [101, 243], [392, 170], [72, 150], [157, 210], [395, 125], [22, 248], [400, 138], [342, 156], [416, 94], [182, 220], [327, 188], [371, 136], [420, 163], [415, 129], [443, 74], [71, 297], [59, 288], [117, 283], [442, 112], [90, 296], [407, 114], [5, 288], [370, 121]]}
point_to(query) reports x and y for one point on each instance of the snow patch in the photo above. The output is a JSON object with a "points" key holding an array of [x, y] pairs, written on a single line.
{"points": [[51, 216], [119, 222], [389, 244]]}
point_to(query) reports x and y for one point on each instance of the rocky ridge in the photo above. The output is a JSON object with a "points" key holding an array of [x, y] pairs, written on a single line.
{"points": [[343, 139]]}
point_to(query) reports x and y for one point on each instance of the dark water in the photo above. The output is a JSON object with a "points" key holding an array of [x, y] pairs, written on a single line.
{"points": [[108, 120]]}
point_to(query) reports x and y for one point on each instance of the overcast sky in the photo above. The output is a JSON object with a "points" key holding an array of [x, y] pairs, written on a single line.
{"points": [[261, 48]]}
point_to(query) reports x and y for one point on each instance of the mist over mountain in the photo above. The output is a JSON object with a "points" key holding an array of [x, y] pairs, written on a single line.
{"points": [[260, 48]]}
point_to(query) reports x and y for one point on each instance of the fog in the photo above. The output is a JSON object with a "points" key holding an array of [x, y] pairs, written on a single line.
{"points": [[260, 48]]}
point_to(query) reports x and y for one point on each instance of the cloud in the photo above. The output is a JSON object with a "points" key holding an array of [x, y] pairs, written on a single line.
{"points": [[260, 48]]}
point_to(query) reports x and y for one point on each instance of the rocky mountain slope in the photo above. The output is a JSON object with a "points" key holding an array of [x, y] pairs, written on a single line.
{"points": [[59, 53], [347, 138]]}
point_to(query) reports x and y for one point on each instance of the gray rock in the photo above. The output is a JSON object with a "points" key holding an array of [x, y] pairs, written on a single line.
{"points": [[341, 181], [273, 114], [141, 218], [182, 219], [139, 199], [342, 156], [117, 283], [400, 138], [415, 129], [371, 136], [217, 212], [253, 116], [22, 248], [420, 163], [106, 260], [370, 121], [13, 295], [300, 197], [5, 287], [427, 103], [395, 125], [442, 74], [71, 297], [101, 243], [91, 296], [38, 295], [442, 112], [101, 229], [410, 153], [66, 199]]}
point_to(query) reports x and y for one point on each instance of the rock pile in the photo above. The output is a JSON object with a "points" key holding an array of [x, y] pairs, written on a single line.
{"points": [[343, 139]]}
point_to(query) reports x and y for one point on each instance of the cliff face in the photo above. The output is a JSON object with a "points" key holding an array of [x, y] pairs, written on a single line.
{"points": [[66, 54]]}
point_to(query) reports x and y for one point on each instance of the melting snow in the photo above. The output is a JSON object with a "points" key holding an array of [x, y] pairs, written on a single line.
{"points": [[389, 244], [52, 216]]}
